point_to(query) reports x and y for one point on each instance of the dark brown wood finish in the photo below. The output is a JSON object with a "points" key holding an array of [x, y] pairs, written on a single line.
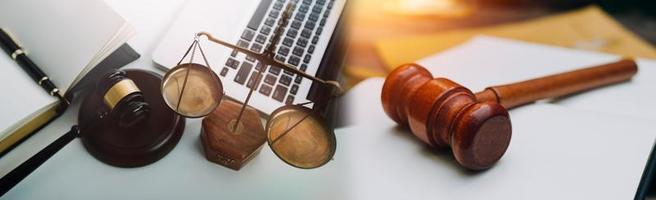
{"points": [[131, 146], [443, 113]]}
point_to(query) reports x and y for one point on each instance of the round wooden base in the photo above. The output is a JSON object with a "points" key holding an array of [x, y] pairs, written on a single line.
{"points": [[134, 146]]}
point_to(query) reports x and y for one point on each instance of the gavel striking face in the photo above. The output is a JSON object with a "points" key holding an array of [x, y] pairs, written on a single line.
{"points": [[442, 113]]}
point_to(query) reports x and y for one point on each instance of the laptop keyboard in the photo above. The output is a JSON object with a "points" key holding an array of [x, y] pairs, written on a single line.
{"points": [[295, 48]]}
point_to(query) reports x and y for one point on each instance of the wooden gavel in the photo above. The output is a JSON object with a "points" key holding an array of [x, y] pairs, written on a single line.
{"points": [[477, 127]]}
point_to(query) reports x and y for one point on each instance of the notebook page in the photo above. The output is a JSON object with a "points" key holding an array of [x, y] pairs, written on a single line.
{"points": [[21, 98], [59, 36]]}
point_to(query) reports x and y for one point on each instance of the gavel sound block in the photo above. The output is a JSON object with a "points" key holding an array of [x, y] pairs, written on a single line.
{"points": [[477, 127]]}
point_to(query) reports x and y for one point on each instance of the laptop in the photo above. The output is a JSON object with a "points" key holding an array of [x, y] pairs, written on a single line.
{"points": [[309, 42]]}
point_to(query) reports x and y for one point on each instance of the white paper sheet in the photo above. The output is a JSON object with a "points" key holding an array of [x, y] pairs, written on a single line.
{"points": [[590, 146], [22, 96], [487, 61], [555, 153]]}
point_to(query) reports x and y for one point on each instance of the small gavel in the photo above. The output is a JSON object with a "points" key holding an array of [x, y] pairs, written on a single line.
{"points": [[477, 127]]}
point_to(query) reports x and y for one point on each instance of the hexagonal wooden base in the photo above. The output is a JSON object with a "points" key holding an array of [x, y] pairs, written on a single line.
{"points": [[228, 147]]}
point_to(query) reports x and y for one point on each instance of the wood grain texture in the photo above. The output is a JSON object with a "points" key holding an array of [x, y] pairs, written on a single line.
{"points": [[442, 113], [228, 147], [558, 85]]}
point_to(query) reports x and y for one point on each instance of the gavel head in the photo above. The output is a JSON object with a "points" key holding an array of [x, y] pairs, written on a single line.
{"points": [[443, 113], [124, 99]]}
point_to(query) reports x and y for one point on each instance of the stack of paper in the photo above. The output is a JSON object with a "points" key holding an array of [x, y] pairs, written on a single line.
{"points": [[588, 28]]}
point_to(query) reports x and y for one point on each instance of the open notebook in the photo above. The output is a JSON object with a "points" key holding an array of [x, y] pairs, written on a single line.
{"points": [[68, 43]]}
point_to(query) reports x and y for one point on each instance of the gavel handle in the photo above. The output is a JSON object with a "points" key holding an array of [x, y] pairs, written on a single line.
{"points": [[558, 85]]}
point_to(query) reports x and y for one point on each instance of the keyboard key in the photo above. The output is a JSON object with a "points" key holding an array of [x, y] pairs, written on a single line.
{"points": [[280, 58], [307, 2], [254, 81], [232, 63], [315, 39], [256, 47], [285, 80], [319, 30], [303, 67], [274, 14], [224, 71], [298, 51], [265, 30], [265, 90], [278, 5], [321, 2], [270, 21], [292, 33], [294, 60], [260, 67], [310, 24], [299, 16], [301, 42], [270, 79], [260, 39], [311, 49], [307, 58], [316, 9], [274, 70], [249, 58], [314, 17], [243, 72], [298, 79], [306, 33], [258, 15], [294, 89], [283, 50], [304, 8], [234, 53], [288, 42], [279, 93], [248, 35], [296, 24], [322, 22], [288, 72], [290, 100], [242, 44]]}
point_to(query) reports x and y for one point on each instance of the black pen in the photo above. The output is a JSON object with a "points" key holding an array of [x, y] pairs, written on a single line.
{"points": [[20, 56]]}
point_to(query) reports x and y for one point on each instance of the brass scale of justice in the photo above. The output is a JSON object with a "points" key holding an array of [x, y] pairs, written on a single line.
{"points": [[296, 134], [134, 128]]}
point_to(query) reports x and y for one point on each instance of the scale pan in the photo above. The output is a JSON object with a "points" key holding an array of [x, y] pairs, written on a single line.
{"points": [[300, 137], [192, 90]]}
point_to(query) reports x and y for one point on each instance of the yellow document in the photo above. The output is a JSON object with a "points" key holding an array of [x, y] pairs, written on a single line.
{"points": [[587, 28]]}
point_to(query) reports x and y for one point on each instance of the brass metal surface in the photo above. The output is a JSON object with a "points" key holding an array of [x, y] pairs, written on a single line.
{"points": [[299, 137], [192, 90], [118, 91]]}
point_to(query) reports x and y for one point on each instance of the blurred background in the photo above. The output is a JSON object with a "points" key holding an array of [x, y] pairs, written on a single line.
{"points": [[385, 33]]}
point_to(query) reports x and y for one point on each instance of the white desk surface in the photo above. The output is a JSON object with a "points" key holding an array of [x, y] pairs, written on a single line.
{"points": [[372, 168], [184, 173]]}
